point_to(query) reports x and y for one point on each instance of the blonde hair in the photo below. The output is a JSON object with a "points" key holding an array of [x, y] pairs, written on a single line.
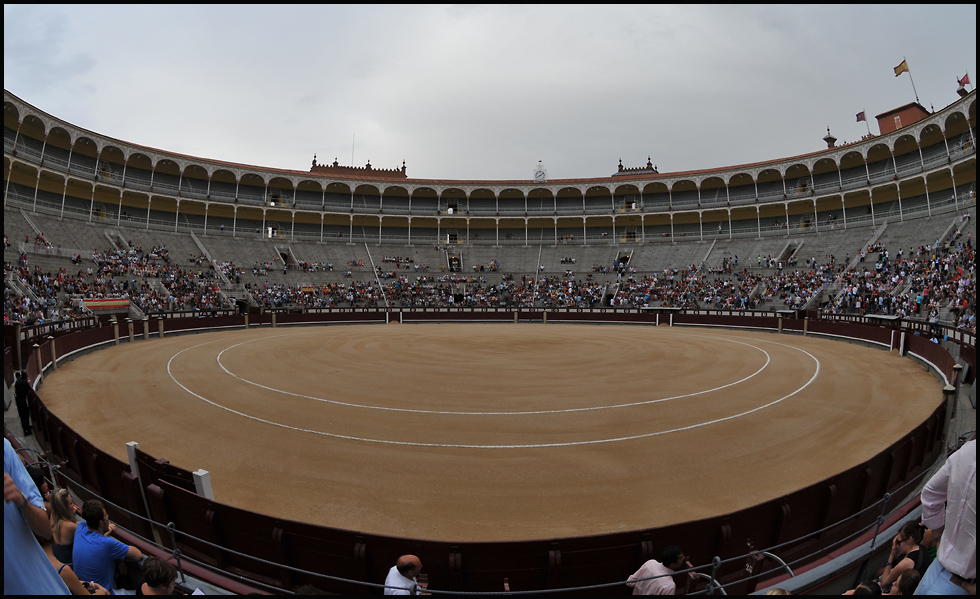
{"points": [[61, 509]]}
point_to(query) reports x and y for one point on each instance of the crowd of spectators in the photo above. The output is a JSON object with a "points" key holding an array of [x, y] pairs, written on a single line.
{"points": [[148, 278], [935, 282], [314, 266], [931, 280]]}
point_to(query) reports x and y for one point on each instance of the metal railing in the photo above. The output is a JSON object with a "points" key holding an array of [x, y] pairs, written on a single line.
{"points": [[706, 572]]}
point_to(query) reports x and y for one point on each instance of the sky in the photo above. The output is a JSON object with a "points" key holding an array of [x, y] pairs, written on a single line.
{"points": [[485, 92]]}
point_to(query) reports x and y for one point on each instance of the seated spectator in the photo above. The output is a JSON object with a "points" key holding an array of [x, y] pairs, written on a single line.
{"points": [[673, 559], [76, 586], [95, 553], [42, 485], [905, 554], [401, 576], [159, 577], [907, 583], [63, 526], [865, 588]]}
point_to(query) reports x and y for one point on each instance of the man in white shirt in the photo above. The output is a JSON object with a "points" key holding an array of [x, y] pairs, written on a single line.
{"points": [[401, 577], [949, 508], [674, 559]]}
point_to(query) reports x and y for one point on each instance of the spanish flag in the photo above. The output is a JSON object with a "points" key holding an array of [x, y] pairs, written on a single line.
{"points": [[308, 289], [902, 68]]}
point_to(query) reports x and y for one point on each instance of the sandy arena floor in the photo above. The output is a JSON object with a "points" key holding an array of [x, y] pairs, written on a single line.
{"points": [[478, 432]]}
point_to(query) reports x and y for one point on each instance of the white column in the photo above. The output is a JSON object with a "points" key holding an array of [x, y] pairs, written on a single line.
{"points": [[898, 190], [37, 183]]}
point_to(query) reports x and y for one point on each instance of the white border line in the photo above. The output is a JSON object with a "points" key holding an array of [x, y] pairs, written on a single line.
{"points": [[523, 446], [625, 405]]}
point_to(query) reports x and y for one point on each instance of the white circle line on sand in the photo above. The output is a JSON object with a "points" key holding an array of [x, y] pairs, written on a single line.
{"points": [[521, 446], [525, 413]]}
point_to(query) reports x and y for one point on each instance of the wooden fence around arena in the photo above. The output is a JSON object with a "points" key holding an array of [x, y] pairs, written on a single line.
{"points": [[158, 500]]}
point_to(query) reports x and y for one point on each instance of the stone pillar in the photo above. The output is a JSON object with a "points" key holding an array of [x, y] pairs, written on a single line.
{"points": [[115, 329], [806, 324], [37, 359], [273, 320], [20, 359], [780, 325], [949, 396], [160, 326], [246, 321], [202, 484], [54, 354], [146, 328], [129, 325]]}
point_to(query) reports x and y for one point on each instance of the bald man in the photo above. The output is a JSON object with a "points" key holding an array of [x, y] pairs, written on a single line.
{"points": [[402, 575]]}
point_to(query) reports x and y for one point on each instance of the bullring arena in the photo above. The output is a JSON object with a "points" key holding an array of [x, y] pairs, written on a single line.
{"points": [[484, 432], [282, 377]]}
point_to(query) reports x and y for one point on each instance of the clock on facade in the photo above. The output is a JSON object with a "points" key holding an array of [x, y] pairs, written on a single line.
{"points": [[540, 175]]}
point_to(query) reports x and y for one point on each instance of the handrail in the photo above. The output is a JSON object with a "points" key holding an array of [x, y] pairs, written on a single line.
{"points": [[374, 270], [714, 565], [778, 559]]}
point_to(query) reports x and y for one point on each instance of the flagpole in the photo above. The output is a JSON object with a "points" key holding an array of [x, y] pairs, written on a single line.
{"points": [[909, 71]]}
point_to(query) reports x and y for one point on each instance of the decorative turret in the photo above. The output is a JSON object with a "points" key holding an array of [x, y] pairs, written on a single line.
{"points": [[649, 169], [830, 139], [367, 170]]}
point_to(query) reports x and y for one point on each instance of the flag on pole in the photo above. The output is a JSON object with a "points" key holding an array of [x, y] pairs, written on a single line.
{"points": [[860, 117], [902, 68], [965, 80]]}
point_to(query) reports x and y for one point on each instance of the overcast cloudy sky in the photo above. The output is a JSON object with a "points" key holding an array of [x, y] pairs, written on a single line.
{"points": [[484, 92]]}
